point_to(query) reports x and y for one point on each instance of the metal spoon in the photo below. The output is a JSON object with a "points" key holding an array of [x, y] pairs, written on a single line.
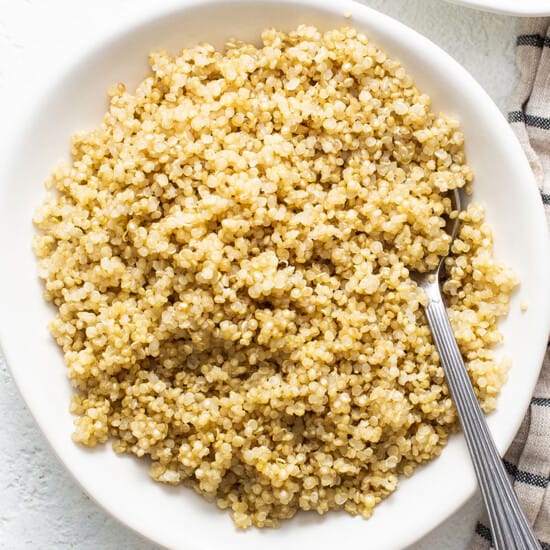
{"points": [[508, 523]]}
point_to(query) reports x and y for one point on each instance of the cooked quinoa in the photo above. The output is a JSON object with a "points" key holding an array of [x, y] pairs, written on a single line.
{"points": [[230, 254]]}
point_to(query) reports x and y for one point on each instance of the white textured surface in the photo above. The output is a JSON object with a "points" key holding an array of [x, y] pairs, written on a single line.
{"points": [[40, 504]]}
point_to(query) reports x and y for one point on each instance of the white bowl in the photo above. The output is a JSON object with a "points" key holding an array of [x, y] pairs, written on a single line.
{"points": [[176, 517], [524, 8]]}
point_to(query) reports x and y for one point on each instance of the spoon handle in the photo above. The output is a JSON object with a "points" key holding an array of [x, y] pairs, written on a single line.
{"points": [[509, 526]]}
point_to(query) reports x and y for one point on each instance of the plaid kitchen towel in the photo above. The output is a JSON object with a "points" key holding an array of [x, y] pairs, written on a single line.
{"points": [[528, 459]]}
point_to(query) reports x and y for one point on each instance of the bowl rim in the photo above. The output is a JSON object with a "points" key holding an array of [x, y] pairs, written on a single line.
{"points": [[156, 13]]}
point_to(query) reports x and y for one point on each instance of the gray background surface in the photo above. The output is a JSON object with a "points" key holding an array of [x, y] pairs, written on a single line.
{"points": [[41, 506]]}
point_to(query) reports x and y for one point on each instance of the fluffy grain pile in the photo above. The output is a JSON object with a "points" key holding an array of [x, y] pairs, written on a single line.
{"points": [[229, 253]]}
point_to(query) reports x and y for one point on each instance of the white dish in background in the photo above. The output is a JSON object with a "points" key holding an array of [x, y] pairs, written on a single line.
{"points": [[176, 517], [524, 8]]}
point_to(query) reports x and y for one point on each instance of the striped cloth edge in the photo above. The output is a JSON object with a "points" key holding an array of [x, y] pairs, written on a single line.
{"points": [[528, 458]]}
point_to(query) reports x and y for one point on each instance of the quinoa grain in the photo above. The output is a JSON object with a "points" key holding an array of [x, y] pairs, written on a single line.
{"points": [[229, 254]]}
